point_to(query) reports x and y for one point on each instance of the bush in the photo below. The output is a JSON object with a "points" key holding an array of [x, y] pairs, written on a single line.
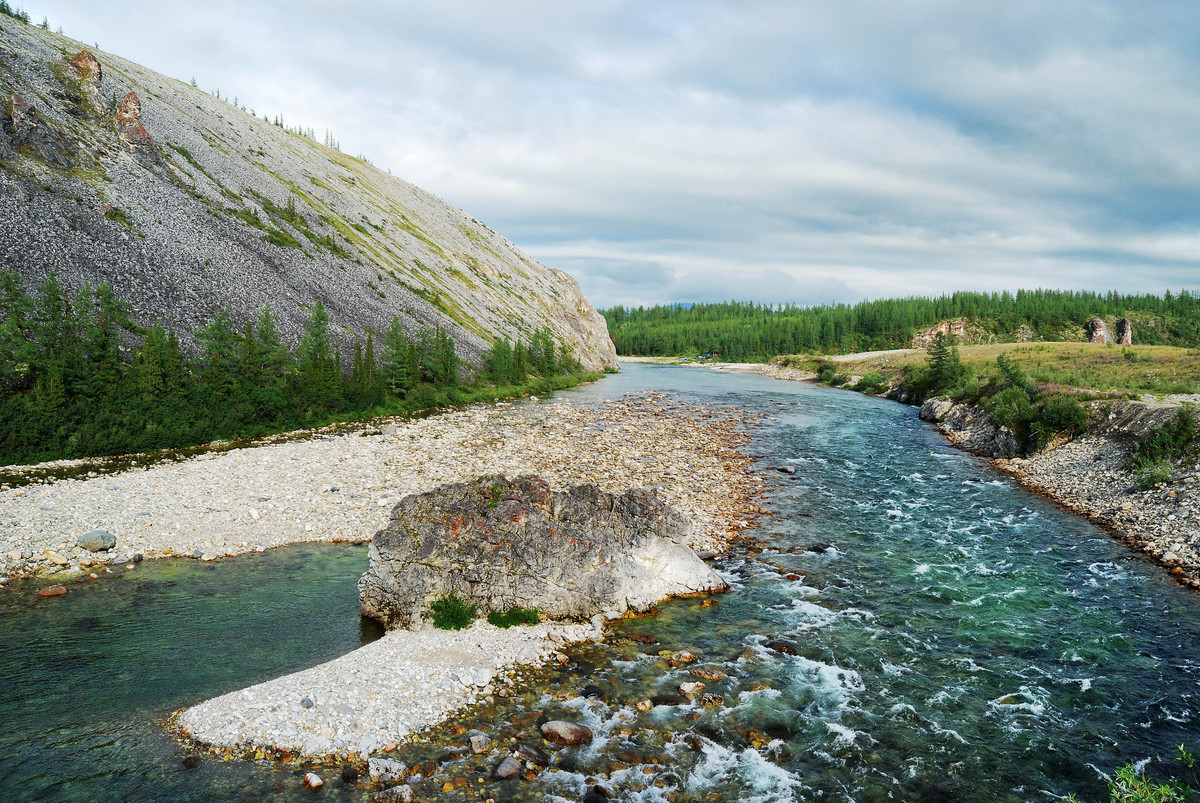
{"points": [[1170, 441], [871, 383], [1152, 472], [839, 379], [1061, 414], [1010, 408], [452, 613], [513, 616], [826, 370]]}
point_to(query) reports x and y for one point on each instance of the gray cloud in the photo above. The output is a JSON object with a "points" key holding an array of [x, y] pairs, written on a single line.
{"points": [[773, 151]]}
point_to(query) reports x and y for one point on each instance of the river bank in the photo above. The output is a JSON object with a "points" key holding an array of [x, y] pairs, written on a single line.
{"points": [[340, 487]]}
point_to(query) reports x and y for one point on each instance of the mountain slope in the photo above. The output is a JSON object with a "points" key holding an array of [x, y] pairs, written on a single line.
{"points": [[185, 205]]}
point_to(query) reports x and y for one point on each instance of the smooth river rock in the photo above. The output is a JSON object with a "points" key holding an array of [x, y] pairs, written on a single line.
{"points": [[563, 732], [96, 541], [499, 543]]}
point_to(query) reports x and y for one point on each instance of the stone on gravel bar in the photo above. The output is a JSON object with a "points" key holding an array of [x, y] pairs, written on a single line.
{"points": [[386, 770], [509, 767], [313, 781], [499, 543], [96, 541]]}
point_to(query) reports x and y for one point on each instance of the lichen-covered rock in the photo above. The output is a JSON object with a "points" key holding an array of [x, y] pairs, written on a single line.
{"points": [[96, 541], [500, 543], [35, 137], [134, 134]]}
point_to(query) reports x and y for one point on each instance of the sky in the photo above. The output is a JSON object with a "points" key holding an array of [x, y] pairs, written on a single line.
{"points": [[781, 152]]}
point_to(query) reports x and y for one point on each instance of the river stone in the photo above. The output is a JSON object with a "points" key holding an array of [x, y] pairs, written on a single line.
{"points": [[480, 743], [507, 768], [51, 591], [397, 794], [386, 770], [531, 753], [96, 541], [563, 732], [499, 543], [313, 781]]}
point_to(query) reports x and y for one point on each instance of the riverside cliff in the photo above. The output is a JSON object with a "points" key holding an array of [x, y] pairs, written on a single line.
{"points": [[186, 204]]}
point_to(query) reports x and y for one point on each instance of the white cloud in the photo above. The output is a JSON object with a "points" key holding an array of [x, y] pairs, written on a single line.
{"points": [[772, 150]]}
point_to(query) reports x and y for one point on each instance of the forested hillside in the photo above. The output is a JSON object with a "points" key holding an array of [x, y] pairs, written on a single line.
{"points": [[742, 331]]}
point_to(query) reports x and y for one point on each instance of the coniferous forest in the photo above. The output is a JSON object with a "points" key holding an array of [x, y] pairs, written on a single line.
{"points": [[743, 331], [79, 378]]}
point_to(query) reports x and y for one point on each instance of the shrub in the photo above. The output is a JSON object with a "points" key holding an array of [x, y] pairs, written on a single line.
{"points": [[1170, 441], [1010, 408], [839, 379], [452, 613], [871, 383], [826, 370], [513, 616], [1152, 472], [1061, 414]]}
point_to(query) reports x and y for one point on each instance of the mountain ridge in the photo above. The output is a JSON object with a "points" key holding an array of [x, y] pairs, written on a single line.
{"points": [[185, 205]]}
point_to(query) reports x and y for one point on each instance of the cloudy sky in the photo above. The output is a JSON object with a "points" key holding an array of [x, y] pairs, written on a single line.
{"points": [[784, 151]]}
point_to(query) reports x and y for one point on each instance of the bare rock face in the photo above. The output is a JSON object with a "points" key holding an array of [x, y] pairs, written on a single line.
{"points": [[1124, 332], [970, 427], [1098, 332], [134, 134], [34, 136], [499, 543], [90, 74]]}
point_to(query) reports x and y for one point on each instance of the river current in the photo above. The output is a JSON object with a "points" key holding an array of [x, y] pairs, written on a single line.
{"points": [[950, 637]]}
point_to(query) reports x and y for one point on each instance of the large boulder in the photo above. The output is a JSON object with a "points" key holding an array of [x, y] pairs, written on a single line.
{"points": [[499, 543]]}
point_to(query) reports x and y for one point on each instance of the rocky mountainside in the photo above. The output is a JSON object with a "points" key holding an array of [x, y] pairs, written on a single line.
{"points": [[185, 204]]}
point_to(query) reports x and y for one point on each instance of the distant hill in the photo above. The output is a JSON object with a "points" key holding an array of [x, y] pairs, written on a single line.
{"points": [[742, 331], [186, 204]]}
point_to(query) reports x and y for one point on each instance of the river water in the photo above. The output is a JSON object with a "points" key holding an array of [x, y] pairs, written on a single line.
{"points": [[951, 637]]}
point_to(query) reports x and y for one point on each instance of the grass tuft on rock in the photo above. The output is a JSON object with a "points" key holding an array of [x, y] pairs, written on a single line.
{"points": [[452, 613], [513, 616]]}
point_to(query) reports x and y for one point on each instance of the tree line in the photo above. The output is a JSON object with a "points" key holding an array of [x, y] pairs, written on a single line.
{"points": [[79, 378], [747, 331]]}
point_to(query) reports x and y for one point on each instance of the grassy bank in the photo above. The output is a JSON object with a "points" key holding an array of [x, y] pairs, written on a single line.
{"points": [[1085, 368]]}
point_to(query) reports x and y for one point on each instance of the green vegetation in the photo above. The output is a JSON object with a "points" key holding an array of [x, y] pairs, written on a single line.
{"points": [[7, 10], [1091, 368], [740, 331], [1128, 785], [1154, 459], [452, 613], [118, 215], [78, 378], [513, 616]]}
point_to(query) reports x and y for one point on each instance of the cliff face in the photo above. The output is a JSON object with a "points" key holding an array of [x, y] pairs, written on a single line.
{"points": [[185, 204]]}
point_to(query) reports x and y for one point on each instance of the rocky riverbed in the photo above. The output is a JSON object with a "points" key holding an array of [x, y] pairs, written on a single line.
{"points": [[372, 699], [1086, 476], [340, 486]]}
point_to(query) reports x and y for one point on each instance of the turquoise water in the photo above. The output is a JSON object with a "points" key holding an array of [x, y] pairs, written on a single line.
{"points": [[956, 638]]}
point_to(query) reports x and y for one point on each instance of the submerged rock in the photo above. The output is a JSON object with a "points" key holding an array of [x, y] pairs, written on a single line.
{"points": [[51, 591], [563, 732], [397, 794], [507, 768], [386, 770], [499, 543]]}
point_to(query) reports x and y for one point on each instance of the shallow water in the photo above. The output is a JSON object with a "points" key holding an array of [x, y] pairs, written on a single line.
{"points": [[959, 639]]}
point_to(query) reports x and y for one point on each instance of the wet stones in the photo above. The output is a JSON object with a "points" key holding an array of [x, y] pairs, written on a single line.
{"points": [[480, 743], [313, 781], [386, 770], [51, 591], [396, 794], [508, 768], [562, 732], [532, 754]]}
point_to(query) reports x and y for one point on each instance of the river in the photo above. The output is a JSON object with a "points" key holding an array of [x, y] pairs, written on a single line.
{"points": [[950, 637]]}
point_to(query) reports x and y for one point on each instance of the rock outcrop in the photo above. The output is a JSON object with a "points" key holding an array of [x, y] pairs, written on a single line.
{"points": [[134, 134], [186, 204], [970, 428], [498, 543]]}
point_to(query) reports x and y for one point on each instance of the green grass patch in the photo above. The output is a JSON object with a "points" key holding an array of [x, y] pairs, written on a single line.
{"points": [[452, 613], [513, 616]]}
